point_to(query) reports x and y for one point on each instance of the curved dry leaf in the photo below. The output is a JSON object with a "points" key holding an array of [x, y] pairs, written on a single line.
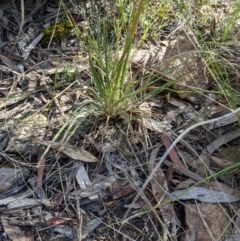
{"points": [[90, 226], [186, 172], [160, 192], [75, 152], [188, 159], [159, 186], [158, 182], [31, 46], [82, 177], [222, 162], [65, 230], [153, 158], [160, 189], [206, 222], [221, 187], [13, 98], [230, 153], [9, 63], [57, 220], [13, 232], [7, 200], [185, 184], [178, 104], [213, 146], [173, 155]]}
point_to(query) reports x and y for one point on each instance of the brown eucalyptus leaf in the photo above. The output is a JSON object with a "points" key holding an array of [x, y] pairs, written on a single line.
{"points": [[13, 98], [75, 152], [90, 226], [173, 155], [160, 190], [206, 221], [188, 159], [159, 186], [119, 189], [13, 232], [185, 184], [222, 162], [158, 182], [9, 63], [230, 153], [216, 144], [203, 159], [221, 187], [177, 103]]}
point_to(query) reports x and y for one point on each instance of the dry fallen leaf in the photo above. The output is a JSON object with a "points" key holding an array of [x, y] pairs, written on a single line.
{"points": [[206, 221], [23, 203], [82, 177], [204, 195], [89, 227], [159, 186], [66, 230], [185, 184], [188, 159], [7, 200], [8, 62], [229, 155], [14, 98], [160, 190], [13, 232], [173, 155], [74, 152], [186, 172], [119, 189], [223, 122], [57, 220], [143, 57], [221, 187], [96, 188], [169, 173], [204, 160], [222, 162], [216, 144]]}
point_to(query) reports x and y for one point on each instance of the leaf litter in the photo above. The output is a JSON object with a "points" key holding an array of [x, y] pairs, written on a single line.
{"points": [[82, 187]]}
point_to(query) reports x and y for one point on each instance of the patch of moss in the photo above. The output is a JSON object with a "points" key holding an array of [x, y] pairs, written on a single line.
{"points": [[61, 29]]}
